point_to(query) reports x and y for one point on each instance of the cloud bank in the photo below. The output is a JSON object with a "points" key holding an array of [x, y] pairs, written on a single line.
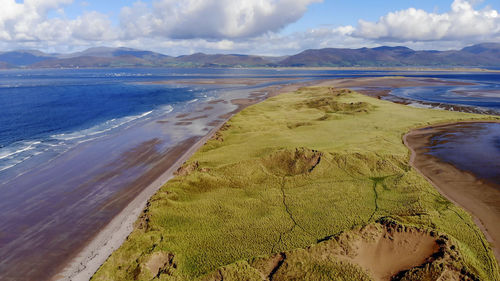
{"points": [[29, 22], [210, 19], [463, 22], [245, 26]]}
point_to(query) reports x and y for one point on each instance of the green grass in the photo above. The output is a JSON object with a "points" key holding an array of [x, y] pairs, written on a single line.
{"points": [[286, 173]]}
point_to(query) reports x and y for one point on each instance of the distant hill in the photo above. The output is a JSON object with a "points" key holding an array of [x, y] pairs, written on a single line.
{"points": [[23, 57], [481, 55], [204, 60]]}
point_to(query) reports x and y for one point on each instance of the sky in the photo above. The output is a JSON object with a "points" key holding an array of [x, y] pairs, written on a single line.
{"points": [[261, 27]]}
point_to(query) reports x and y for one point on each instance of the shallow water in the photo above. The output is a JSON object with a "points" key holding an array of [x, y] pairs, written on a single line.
{"points": [[485, 95], [471, 147]]}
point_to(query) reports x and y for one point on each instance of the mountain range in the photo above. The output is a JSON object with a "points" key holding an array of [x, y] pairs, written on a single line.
{"points": [[480, 55]]}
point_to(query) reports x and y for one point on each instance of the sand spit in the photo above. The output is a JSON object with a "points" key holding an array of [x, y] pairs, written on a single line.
{"points": [[478, 197], [379, 87], [390, 82], [116, 232]]}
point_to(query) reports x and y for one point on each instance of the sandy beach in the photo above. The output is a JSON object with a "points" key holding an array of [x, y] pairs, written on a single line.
{"points": [[479, 197]]}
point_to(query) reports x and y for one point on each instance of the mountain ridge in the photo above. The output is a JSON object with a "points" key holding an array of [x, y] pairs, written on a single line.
{"points": [[479, 55]]}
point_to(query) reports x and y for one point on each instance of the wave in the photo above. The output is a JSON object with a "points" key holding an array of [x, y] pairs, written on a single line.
{"points": [[19, 152], [17, 148], [167, 109], [100, 128]]}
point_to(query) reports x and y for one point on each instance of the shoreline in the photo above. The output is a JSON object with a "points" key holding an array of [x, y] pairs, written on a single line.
{"points": [[381, 88], [360, 68], [86, 262], [462, 188]]}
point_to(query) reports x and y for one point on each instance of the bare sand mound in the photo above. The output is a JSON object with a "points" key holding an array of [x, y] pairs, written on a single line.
{"points": [[384, 251]]}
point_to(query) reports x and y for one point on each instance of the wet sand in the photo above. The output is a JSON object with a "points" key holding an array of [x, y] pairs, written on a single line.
{"points": [[389, 82], [222, 81], [479, 197], [112, 236]]}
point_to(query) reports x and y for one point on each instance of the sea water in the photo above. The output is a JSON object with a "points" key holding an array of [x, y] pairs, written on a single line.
{"points": [[483, 95], [474, 148]]}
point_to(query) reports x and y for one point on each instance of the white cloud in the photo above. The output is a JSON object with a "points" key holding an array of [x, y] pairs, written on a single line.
{"points": [[462, 22], [18, 20], [93, 26], [211, 19], [29, 22]]}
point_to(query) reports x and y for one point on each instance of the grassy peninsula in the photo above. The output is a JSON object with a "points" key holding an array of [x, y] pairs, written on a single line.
{"points": [[309, 185]]}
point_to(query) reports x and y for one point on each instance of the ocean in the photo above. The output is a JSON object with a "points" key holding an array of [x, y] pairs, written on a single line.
{"points": [[83, 139]]}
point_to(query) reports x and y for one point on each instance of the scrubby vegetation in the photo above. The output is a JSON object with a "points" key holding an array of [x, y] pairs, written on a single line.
{"points": [[262, 199]]}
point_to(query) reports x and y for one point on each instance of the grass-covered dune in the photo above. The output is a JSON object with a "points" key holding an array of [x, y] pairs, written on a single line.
{"points": [[308, 185]]}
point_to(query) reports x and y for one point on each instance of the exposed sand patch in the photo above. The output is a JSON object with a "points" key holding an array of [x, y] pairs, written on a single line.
{"points": [[385, 253], [160, 262]]}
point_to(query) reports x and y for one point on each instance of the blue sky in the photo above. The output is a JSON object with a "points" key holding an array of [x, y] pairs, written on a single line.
{"points": [[246, 26], [345, 12], [328, 12]]}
